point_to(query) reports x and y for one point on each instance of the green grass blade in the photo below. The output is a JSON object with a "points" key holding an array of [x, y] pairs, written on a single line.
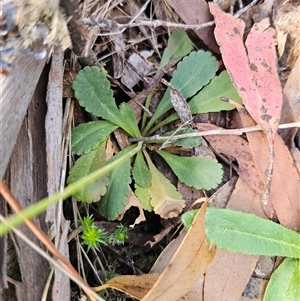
{"points": [[39, 207], [284, 283], [249, 234]]}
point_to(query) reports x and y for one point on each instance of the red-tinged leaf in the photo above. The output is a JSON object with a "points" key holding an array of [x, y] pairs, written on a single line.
{"points": [[229, 34], [255, 77], [262, 56]]}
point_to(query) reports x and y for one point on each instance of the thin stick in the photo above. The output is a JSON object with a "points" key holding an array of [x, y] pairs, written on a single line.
{"points": [[120, 28], [219, 131], [165, 144]]}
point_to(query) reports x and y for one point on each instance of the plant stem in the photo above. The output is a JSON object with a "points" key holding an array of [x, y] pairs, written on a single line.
{"points": [[39, 207]]}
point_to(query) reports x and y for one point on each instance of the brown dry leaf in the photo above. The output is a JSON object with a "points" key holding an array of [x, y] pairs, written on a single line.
{"points": [[296, 157], [238, 148], [291, 104], [187, 265], [163, 260], [133, 201], [196, 12], [166, 255], [228, 274], [110, 149], [221, 197], [161, 235], [135, 286], [121, 138], [179, 103], [69, 76], [189, 194], [284, 192], [287, 25], [292, 92]]}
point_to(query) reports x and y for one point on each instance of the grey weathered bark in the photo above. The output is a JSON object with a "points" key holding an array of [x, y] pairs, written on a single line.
{"points": [[17, 88], [27, 178]]}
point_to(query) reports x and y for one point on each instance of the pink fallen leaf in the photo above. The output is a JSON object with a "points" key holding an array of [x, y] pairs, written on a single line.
{"points": [[262, 56], [254, 75]]}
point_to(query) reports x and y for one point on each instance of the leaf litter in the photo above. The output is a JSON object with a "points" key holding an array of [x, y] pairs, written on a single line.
{"points": [[254, 74]]}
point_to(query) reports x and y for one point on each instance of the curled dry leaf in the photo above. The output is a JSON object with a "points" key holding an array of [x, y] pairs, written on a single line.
{"points": [[188, 264], [135, 286], [164, 198], [179, 103], [133, 201], [169, 208]]}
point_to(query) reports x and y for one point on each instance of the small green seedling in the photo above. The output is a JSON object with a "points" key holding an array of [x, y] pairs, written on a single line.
{"points": [[92, 236]]}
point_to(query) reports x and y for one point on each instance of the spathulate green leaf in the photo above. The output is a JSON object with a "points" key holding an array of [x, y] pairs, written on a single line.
{"points": [[284, 283], [84, 166], [140, 172], [164, 198], [194, 171], [208, 99], [143, 195], [116, 198], [129, 119], [87, 136], [93, 91], [250, 234], [179, 45], [193, 72]]}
